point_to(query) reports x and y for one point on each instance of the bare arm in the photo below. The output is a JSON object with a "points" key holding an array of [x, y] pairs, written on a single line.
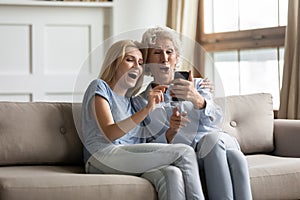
{"points": [[114, 130]]}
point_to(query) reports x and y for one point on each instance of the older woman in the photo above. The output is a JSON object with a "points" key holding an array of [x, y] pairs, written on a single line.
{"points": [[219, 155]]}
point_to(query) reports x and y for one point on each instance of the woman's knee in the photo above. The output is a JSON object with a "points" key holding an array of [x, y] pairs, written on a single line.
{"points": [[210, 144], [212, 137], [218, 141], [171, 171]]}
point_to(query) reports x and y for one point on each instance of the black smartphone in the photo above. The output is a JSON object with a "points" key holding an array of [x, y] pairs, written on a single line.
{"points": [[183, 75], [153, 85]]}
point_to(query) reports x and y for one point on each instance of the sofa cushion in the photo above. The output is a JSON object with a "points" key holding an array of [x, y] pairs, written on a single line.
{"points": [[274, 177], [69, 183], [38, 133], [250, 119]]}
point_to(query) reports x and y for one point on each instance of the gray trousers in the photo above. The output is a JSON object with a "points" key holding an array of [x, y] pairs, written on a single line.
{"points": [[225, 167], [176, 163]]}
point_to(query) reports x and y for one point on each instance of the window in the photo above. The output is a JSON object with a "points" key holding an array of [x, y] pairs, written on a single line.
{"points": [[245, 39]]}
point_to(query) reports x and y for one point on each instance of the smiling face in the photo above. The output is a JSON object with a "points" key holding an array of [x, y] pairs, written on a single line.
{"points": [[129, 70], [162, 60]]}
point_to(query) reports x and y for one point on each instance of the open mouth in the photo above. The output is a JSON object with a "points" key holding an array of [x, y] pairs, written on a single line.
{"points": [[132, 75], [164, 69]]}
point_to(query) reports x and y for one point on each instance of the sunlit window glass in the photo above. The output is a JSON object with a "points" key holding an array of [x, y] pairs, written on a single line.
{"points": [[259, 72], [283, 8], [234, 15], [229, 20], [208, 13], [248, 70], [227, 73], [258, 14], [281, 60]]}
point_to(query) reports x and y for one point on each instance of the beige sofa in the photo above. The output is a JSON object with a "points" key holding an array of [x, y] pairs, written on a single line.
{"points": [[41, 153]]}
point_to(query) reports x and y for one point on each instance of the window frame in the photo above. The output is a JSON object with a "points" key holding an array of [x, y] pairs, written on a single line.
{"points": [[238, 40], [270, 37]]}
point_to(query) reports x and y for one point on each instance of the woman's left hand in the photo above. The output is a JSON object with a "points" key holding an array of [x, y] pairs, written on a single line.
{"points": [[177, 121], [207, 84]]}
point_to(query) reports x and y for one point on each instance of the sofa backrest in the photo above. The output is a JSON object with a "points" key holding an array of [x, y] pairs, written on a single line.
{"points": [[38, 133], [250, 119], [45, 133]]}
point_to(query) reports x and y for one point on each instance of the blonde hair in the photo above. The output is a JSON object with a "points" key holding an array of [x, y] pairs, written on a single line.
{"points": [[114, 57]]}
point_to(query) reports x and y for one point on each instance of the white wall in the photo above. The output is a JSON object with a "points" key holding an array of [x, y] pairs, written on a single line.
{"points": [[130, 15], [43, 56], [44, 45]]}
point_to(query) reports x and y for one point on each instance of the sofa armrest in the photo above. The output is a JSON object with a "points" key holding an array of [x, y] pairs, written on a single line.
{"points": [[287, 137]]}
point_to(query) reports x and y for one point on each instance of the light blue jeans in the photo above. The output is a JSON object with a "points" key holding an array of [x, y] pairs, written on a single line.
{"points": [[225, 167], [150, 161], [168, 182]]}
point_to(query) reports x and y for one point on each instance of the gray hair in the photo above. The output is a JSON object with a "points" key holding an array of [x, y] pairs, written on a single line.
{"points": [[152, 34]]}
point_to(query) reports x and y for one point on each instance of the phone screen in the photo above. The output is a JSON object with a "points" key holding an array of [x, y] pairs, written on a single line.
{"points": [[183, 75]]}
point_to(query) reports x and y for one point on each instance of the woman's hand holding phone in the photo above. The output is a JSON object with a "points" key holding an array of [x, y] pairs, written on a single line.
{"points": [[180, 85], [185, 90]]}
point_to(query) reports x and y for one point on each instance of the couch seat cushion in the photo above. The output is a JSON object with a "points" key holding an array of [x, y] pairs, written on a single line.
{"points": [[63, 182], [274, 177]]}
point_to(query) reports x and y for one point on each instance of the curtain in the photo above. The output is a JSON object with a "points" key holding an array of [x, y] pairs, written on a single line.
{"points": [[290, 91], [183, 17]]}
